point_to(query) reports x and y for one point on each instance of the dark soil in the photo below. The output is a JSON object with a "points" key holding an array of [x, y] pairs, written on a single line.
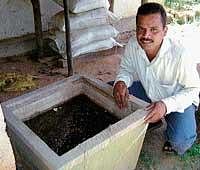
{"points": [[65, 126]]}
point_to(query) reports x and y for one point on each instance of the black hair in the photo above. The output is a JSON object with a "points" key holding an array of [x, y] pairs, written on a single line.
{"points": [[152, 8]]}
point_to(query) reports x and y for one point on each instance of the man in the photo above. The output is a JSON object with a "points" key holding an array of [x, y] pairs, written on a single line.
{"points": [[167, 76]]}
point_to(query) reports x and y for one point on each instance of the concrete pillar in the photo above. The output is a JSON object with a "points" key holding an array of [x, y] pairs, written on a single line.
{"points": [[125, 8], [7, 160]]}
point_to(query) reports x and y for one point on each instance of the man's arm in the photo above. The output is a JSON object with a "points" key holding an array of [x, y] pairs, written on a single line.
{"points": [[126, 70], [181, 100], [189, 79], [124, 78]]}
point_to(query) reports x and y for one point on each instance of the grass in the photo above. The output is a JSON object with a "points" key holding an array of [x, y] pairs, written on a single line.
{"points": [[192, 156], [146, 159], [192, 153]]}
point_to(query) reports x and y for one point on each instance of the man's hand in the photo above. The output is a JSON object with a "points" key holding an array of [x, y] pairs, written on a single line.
{"points": [[120, 93], [157, 110]]}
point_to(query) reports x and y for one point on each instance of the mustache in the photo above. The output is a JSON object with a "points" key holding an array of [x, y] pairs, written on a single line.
{"points": [[146, 39]]}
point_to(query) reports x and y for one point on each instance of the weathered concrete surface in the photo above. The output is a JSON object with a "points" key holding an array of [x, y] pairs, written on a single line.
{"points": [[17, 46], [117, 147], [7, 160], [16, 17], [17, 25]]}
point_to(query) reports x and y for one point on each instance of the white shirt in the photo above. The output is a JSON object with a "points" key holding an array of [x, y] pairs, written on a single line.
{"points": [[171, 76]]}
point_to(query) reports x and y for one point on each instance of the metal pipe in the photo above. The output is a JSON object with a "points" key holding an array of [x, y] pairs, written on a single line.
{"points": [[38, 26], [67, 34]]}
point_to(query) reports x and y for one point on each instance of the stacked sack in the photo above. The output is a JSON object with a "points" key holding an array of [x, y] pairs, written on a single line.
{"points": [[90, 25]]}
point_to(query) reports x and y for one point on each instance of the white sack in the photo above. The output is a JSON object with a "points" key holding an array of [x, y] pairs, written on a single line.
{"points": [[85, 36], [59, 46], [78, 6], [95, 46], [83, 20]]}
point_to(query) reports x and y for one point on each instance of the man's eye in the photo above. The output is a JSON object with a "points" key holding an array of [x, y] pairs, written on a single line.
{"points": [[140, 29], [154, 30]]}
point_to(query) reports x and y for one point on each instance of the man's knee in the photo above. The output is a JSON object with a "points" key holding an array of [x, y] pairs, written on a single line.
{"points": [[181, 129], [182, 141], [181, 146]]}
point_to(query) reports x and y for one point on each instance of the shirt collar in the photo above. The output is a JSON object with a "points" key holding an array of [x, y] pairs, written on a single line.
{"points": [[163, 49]]}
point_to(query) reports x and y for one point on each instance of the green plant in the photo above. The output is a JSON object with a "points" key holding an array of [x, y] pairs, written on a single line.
{"points": [[180, 4], [146, 159], [192, 153]]}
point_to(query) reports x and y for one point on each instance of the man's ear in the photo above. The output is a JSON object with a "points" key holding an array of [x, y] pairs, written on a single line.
{"points": [[165, 30]]}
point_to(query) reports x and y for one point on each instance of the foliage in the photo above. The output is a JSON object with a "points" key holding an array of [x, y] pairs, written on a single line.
{"points": [[180, 4], [183, 11], [192, 155], [146, 159], [191, 158]]}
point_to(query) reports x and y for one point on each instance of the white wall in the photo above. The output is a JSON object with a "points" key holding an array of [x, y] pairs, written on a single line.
{"points": [[126, 8], [16, 17]]}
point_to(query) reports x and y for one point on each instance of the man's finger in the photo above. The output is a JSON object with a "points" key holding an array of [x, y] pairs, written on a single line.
{"points": [[124, 99], [148, 119], [127, 97], [149, 116], [150, 107], [152, 119], [119, 100]]}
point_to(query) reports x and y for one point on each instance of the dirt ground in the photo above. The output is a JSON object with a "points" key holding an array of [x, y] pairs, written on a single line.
{"points": [[102, 66]]}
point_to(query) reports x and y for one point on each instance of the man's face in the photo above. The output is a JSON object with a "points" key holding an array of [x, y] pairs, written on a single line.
{"points": [[150, 31]]}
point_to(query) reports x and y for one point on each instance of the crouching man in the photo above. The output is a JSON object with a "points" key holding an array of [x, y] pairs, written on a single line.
{"points": [[167, 76]]}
